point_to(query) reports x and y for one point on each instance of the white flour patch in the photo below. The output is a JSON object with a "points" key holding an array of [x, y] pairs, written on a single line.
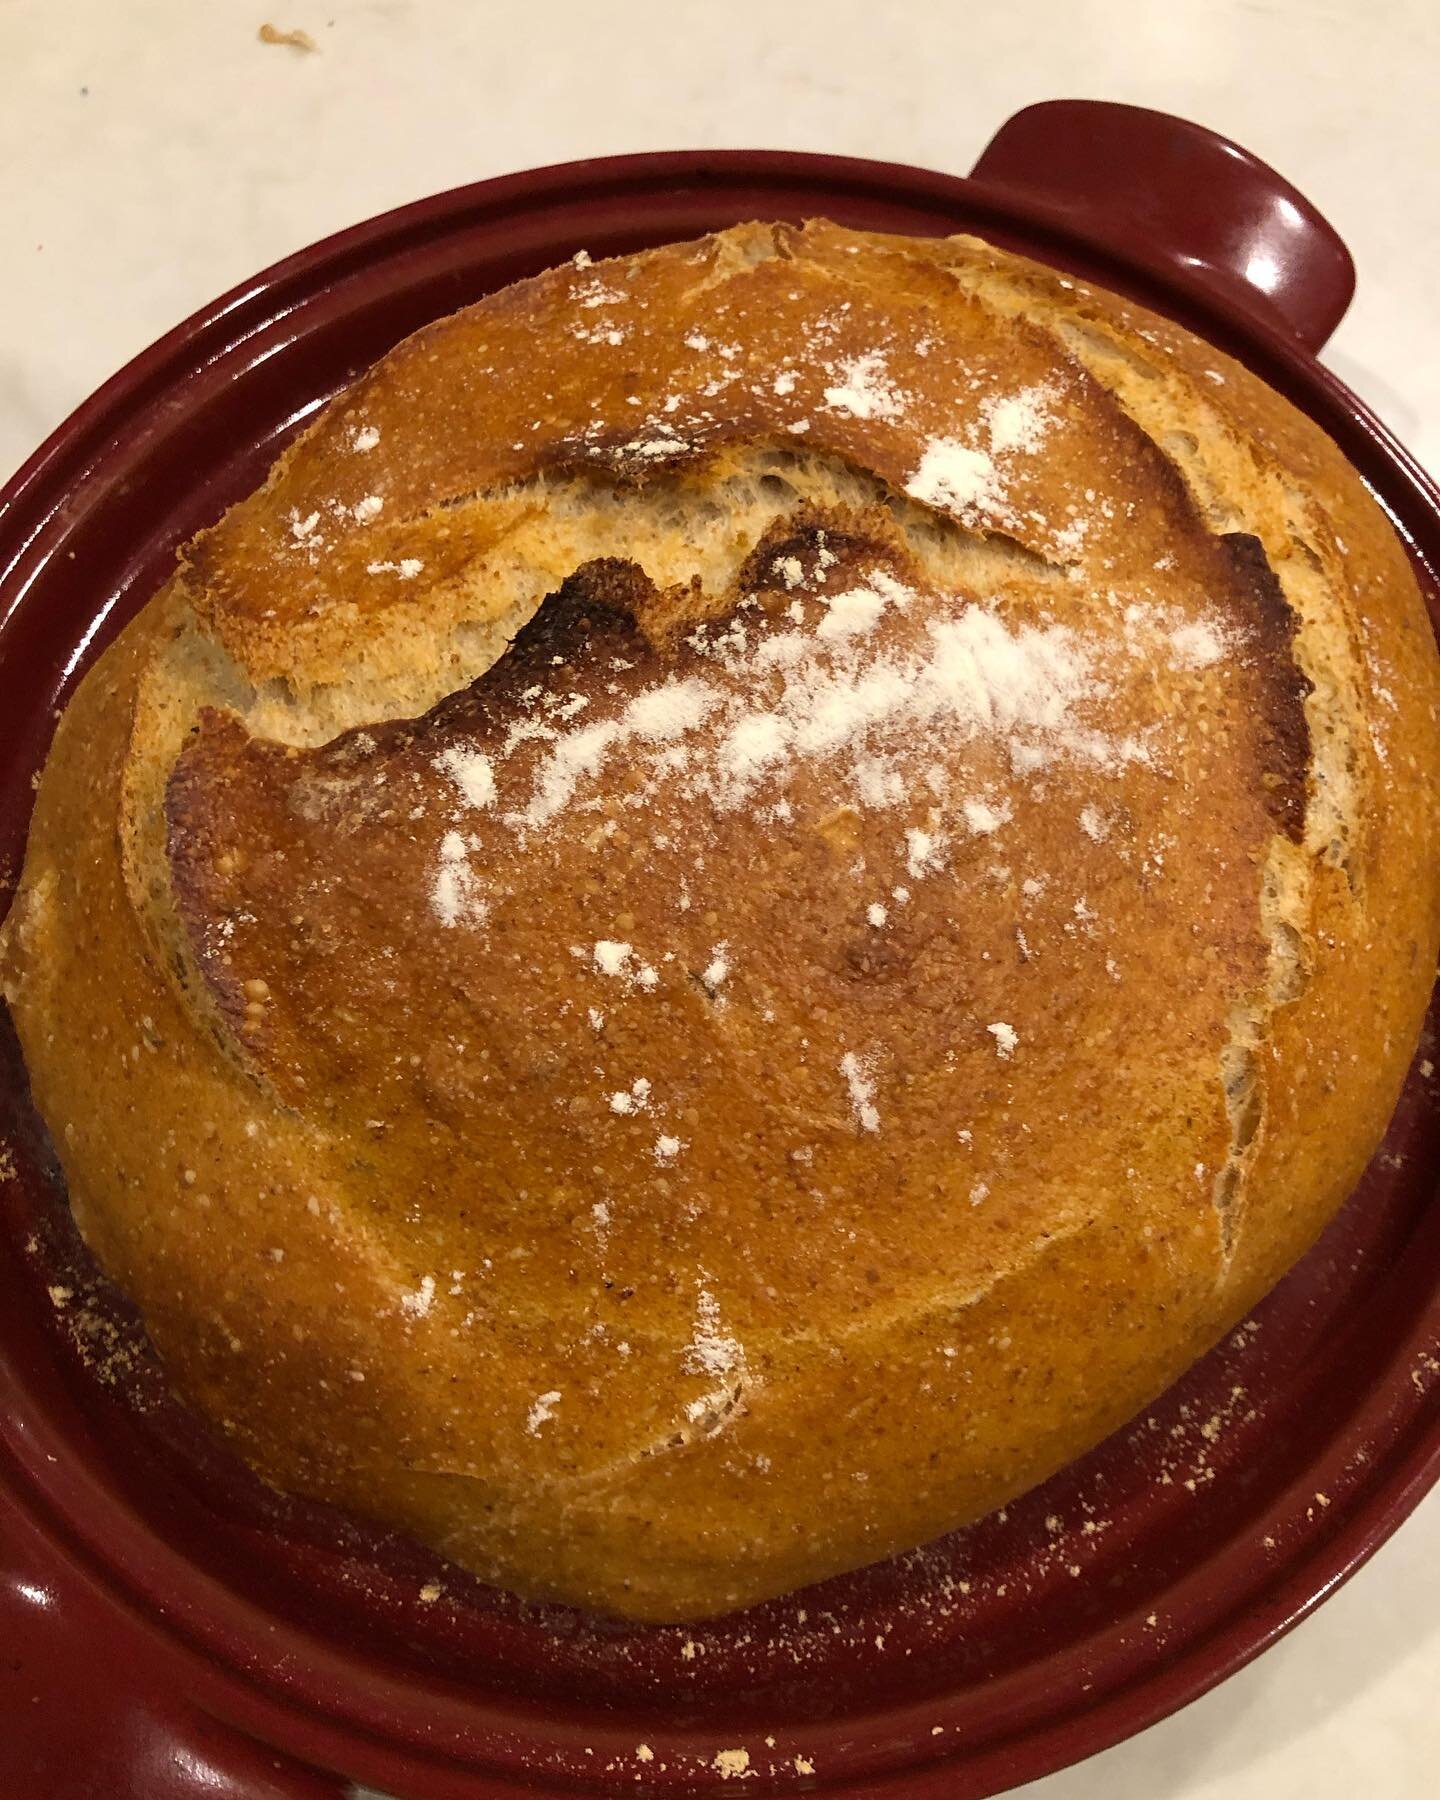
{"points": [[962, 478], [1018, 421], [1191, 644], [712, 1350], [955, 477], [1196, 644], [542, 1411], [852, 613], [864, 389], [923, 853], [611, 956], [983, 818], [861, 1087], [418, 1301], [455, 897], [472, 773], [879, 704], [634, 1100], [717, 971], [719, 1356]]}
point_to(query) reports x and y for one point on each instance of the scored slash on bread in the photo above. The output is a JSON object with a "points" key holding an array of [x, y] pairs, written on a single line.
{"points": [[762, 886]]}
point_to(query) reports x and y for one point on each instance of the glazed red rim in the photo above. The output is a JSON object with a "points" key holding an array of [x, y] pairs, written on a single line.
{"points": [[351, 1710]]}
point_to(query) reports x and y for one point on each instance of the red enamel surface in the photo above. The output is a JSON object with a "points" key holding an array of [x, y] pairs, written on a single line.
{"points": [[169, 1629], [1227, 223]]}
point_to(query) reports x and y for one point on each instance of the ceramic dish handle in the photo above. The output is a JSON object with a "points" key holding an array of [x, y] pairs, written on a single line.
{"points": [[1147, 181]]}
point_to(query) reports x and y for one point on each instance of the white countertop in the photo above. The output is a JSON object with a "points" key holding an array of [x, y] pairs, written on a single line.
{"points": [[156, 153]]}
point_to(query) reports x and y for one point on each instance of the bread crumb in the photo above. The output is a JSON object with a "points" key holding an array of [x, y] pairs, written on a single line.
{"points": [[1004, 1036], [430, 1593], [292, 40], [731, 1762]]}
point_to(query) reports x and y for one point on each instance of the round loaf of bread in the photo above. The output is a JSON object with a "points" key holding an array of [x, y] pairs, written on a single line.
{"points": [[762, 887]]}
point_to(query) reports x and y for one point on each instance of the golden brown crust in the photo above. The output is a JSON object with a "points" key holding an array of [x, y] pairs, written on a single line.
{"points": [[604, 1111]]}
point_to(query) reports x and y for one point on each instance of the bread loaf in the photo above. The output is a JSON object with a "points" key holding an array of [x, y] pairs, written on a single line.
{"points": [[761, 888]]}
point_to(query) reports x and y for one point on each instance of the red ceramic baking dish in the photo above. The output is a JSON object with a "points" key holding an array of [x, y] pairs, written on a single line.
{"points": [[169, 1628]]}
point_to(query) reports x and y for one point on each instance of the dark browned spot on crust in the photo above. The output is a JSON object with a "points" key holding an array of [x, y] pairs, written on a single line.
{"points": [[602, 601], [1283, 738]]}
